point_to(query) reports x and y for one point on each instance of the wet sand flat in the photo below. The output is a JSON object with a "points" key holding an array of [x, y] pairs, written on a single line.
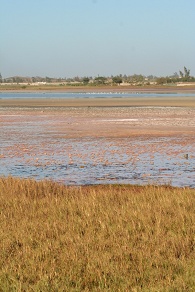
{"points": [[100, 102], [106, 121]]}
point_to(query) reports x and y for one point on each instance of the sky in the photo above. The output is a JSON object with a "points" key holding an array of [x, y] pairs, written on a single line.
{"points": [[68, 38]]}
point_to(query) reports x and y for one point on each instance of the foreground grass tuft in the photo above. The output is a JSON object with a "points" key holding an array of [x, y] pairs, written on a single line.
{"points": [[95, 238]]}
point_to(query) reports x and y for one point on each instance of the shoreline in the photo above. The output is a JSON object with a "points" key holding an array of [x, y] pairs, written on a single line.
{"points": [[130, 89], [187, 101]]}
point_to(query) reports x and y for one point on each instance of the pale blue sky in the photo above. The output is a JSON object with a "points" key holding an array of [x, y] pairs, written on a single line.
{"points": [[67, 38]]}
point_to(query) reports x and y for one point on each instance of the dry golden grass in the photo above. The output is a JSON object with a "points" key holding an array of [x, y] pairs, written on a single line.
{"points": [[95, 238]]}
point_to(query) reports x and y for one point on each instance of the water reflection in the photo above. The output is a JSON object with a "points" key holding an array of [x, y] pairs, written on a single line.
{"points": [[64, 95]]}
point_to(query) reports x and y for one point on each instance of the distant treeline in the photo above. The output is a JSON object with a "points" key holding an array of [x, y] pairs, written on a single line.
{"points": [[138, 79]]}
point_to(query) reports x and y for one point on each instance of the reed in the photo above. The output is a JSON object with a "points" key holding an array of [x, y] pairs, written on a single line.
{"points": [[95, 238]]}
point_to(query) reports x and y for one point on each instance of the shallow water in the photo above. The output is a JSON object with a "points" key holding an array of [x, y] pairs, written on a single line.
{"points": [[36, 146], [65, 95]]}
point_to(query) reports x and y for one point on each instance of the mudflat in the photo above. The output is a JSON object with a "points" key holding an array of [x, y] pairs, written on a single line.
{"points": [[91, 144], [188, 101], [87, 119], [116, 116]]}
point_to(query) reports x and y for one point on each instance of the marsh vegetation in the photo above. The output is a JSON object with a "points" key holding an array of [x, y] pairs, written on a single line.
{"points": [[95, 238]]}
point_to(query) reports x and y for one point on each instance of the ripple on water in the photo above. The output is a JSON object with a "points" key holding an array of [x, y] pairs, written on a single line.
{"points": [[78, 166]]}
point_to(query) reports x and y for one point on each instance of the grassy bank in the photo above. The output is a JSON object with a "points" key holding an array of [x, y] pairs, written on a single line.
{"points": [[96, 238]]}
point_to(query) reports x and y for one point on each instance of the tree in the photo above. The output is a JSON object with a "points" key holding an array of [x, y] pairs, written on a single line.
{"points": [[117, 79], [86, 80], [136, 78], [187, 72], [175, 75], [1, 79], [185, 75], [100, 80], [48, 79], [160, 80], [181, 74]]}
